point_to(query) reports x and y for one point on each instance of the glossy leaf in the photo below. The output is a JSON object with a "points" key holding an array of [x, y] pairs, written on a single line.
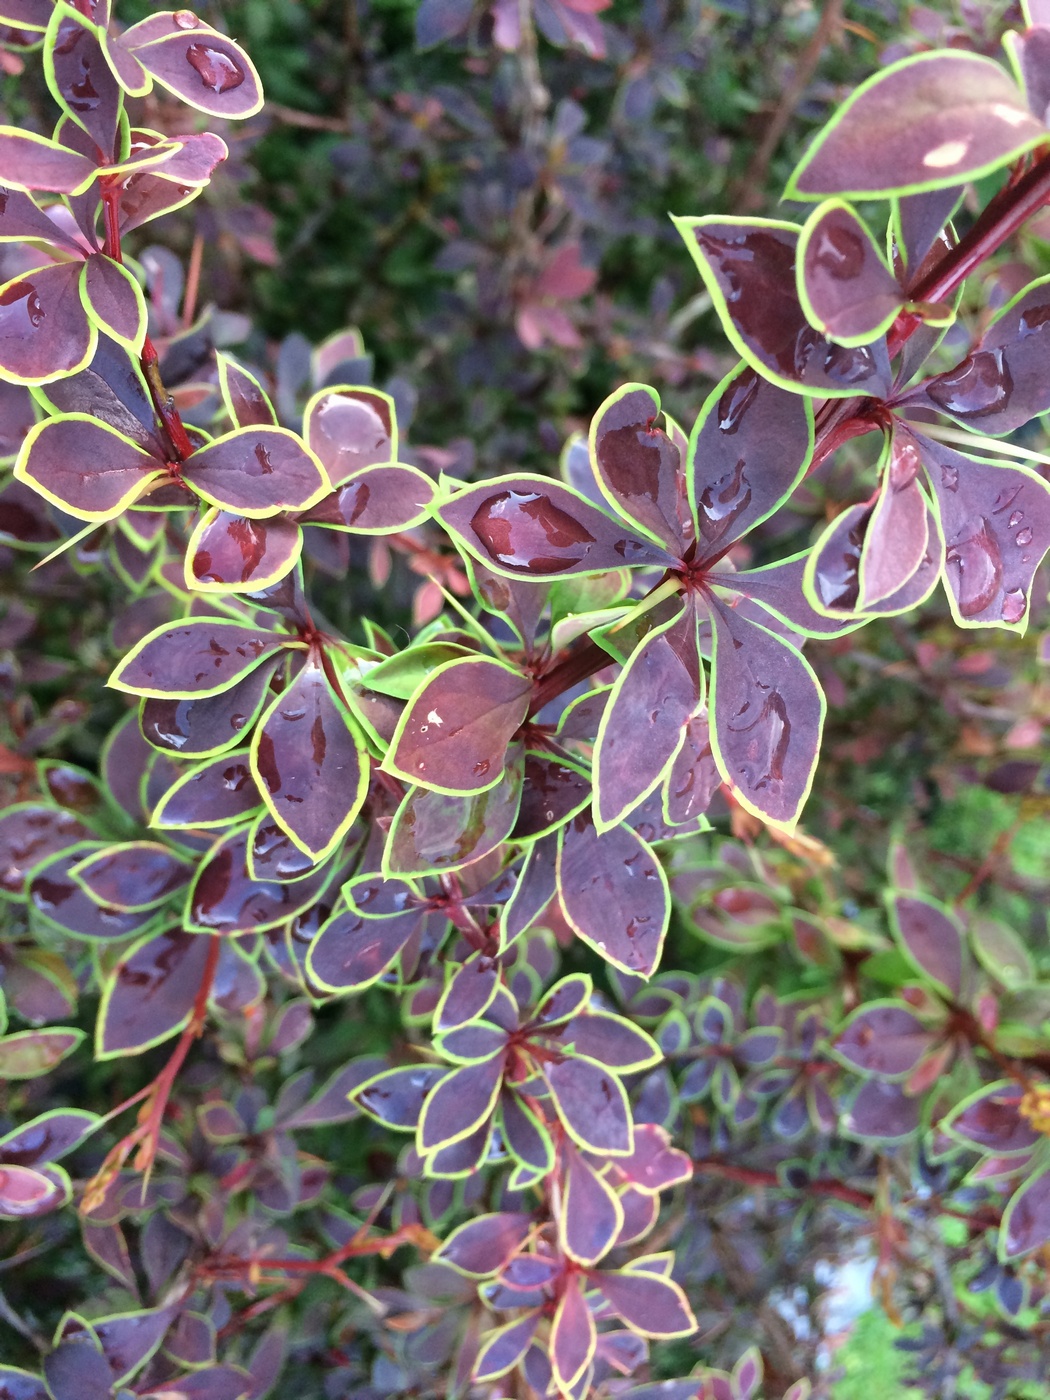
{"points": [[58, 898], [47, 1138], [591, 1214], [929, 120], [44, 330], [591, 1104], [29, 834], [551, 793], [349, 428], [132, 876], [199, 658], [27, 1193], [197, 64], [896, 538], [638, 466], [195, 727], [434, 832], [454, 732], [53, 457], [532, 527], [246, 401], [377, 500], [230, 553], [768, 715], [396, 1096], [151, 992], [351, 951], [614, 894], [459, 1103], [225, 899], [692, 777], [114, 301], [213, 793], [257, 471], [845, 288], [31, 162]]}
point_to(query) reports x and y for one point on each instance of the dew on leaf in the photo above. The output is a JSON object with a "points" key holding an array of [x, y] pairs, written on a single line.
{"points": [[980, 385], [185, 19], [217, 70], [1015, 602], [1024, 536], [978, 569]]}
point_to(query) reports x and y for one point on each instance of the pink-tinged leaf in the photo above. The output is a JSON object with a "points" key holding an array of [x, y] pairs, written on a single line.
{"points": [[748, 450], [80, 79], [22, 219], [565, 277], [200, 65], [884, 1039], [47, 1138], [57, 897], [646, 1302], [551, 793], [591, 1104], [995, 521], [28, 1054], [768, 716], [573, 1336], [351, 952], [486, 1245], [655, 696], [654, 1165], [929, 120], [638, 465], [883, 1112], [454, 732], [614, 894], [225, 899], [832, 567], [591, 1215], [31, 162], [198, 728], [151, 992], [433, 832], [460, 1103], [1026, 1220], [25, 1193], [114, 301], [135, 875], [29, 834], [257, 471], [229, 553], [990, 1120], [896, 540], [931, 939], [245, 399], [351, 428], [215, 793], [846, 289], [379, 500], [532, 527], [85, 467], [44, 330], [693, 776], [499, 1350], [198, 658], [147, 194], [749, 268]]}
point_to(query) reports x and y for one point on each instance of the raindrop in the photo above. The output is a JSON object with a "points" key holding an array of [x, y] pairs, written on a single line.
{"points": [[1014, 604], [736, 400], [1016, 518], [904, 465], [481, 768], [238, 721], [1024, 536], [723, 501], [527, 530], [839, 252], [950, 477], [185, 19], [217, 70], [978, 569], [424, 729], [980, 385], [263, 458]]}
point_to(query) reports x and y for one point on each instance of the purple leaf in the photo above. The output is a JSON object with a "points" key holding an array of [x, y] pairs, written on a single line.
{"points": [[16, 1384], [77, 1370], [896, 539], [224, 898], [535, 889], [244, 397], [995, 521], [846, 289], [693, 775], [114, 301], [351, 951], [31, 162], [151, 992], [195, 728], [198, 64], [884, 1039], [919, 220], [214, 793], [460, 1103], [55, 895], [113, 391], [257, 471], [29, 834], [1026, 1220], [748, 450], [129, 1339], [526, 1138], [832, 570], [350, 428], [611, 1040], [486, 1245], [638, 465], [655, 696], [572, 1337], [146, 194], [85, 467], [47, 1138], [135, 875], [749, 268], [28, 1054], [990, 1120], [778, 588], [591, 1104], [309, 762], [551, 793], [500, 1349], [591, 1215], [614, 894], [378, 500], [883, 1112], [454, 732], [440, 20], [768, 717], [929, 120], [22, 219], [199, 658], [27, 1193], [646, 1302], [396, 1096], [434, 832], [532, 527], [654, 1165], [44, 330], [931, 939]]}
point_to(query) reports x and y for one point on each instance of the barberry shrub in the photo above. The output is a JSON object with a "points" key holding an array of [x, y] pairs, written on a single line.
{"points": [[463, 851]]}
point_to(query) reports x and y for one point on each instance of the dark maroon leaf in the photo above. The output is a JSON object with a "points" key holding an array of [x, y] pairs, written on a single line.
{"points": [[535, 889], [54, 894], [1026, 1220], [151, 992], [657, 693], [112, 390], [693, 776], [572, 1336], [54, 457], [896, 540], [244, 397], [995, 520], [990, 1120], [22, 219], [931, 938], [883, 1111], [199, 658], [31, 162], [749, 268], [225, 899], [44, 330], [551, 793], [214, 793], [194, 728], [460, 1103], [257, 471], [638, 465], [591, 1215], [883, 1038], [350, 428], [920, 218], [454, 733], [29, 834], [647, 1302], [351, 951], [309, 762], [591, 1104], [114, 300], [486, 1245], [768, 715], [846, 289], [437, 831], [614, 894], [145, 194], [531, 527], [378, 500], [196, 63], [135, 875], [748, 450]]}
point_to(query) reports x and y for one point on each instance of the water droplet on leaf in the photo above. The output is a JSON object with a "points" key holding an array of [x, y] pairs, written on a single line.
{"points": [[217, 70]]}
